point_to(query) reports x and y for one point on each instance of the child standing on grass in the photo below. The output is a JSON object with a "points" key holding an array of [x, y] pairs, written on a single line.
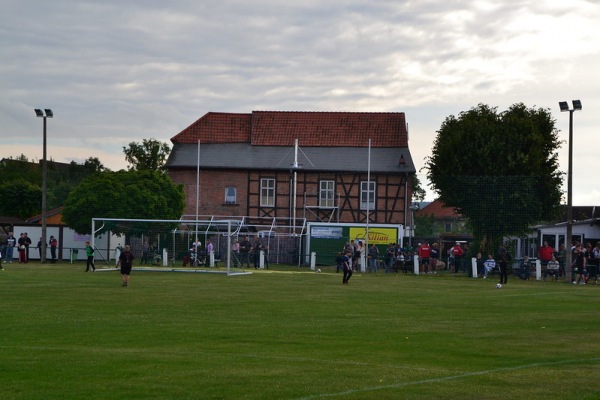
{"points": [[347, 268], [89, 251]]}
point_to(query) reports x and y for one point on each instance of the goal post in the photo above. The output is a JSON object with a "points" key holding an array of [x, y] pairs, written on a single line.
{"points": [[171, 245]]}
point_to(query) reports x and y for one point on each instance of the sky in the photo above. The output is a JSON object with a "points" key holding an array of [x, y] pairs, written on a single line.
{"points": [[116, 72]]}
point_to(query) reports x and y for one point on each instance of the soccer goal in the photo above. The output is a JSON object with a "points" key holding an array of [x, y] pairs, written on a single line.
{"points": [[171, 245]]}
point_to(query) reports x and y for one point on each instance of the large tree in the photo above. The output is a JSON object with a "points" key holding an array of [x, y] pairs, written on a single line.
{"points": [[149, 155], [123, 194], [500, 170]]}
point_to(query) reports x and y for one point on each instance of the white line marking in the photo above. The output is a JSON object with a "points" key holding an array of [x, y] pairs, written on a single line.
{"points": [[448, 378]]}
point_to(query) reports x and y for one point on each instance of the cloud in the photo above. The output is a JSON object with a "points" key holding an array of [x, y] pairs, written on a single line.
{"points": [[116, 72]]}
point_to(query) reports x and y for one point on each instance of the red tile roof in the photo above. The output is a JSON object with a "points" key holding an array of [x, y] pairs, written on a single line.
{"points": [[437, 209], [281, 128], [217, 128]]}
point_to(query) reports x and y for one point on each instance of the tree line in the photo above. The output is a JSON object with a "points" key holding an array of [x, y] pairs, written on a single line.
{"points": [[90, 190]]}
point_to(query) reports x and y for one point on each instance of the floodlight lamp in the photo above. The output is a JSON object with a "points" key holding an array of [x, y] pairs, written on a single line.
{"points": [[39, 112], [564, 106], [577, 104]]}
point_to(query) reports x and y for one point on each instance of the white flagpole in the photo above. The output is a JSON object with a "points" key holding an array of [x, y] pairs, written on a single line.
{"points": [[368, 197], [197, 195]]}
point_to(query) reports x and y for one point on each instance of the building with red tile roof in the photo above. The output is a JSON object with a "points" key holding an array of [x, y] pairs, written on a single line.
{"points": [[345, 166]]}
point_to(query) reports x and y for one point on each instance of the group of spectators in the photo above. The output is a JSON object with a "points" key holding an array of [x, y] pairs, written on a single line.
{"points": [[245, 251], [22, 244], [397, 257], [585, 261]]}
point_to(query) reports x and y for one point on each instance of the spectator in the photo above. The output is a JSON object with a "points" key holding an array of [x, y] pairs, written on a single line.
{"points": [[355, 254], [10, 243], [256, 249], [545, 253], [552, 268], [488, 265], [479, 261], [245, 248], [373, 257], [266, 256], [39, 247], [434, 257], [596, 260], [424, 252], [235, 250], [53, 243], [579, 266], [562, 257], [145, 252], [22, 248], [457, 252], [390, 255]]}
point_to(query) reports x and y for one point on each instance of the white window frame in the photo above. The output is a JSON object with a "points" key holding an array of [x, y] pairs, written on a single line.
{"points": [[267, 192], [327, 194], [367, 195]]}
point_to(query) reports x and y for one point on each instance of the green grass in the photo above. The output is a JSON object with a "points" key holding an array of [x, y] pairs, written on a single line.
{"points": [[293, 334]]}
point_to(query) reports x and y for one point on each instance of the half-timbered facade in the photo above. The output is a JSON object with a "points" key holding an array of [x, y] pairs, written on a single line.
{"points": [[318, 166]]}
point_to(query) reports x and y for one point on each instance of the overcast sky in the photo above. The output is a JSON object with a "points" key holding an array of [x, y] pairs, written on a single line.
{"points": [[115, 72]]}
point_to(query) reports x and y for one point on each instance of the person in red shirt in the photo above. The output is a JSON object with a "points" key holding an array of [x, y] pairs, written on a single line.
{"points": [[545, 253], [424, 252], [53, 243], [457, 252]]}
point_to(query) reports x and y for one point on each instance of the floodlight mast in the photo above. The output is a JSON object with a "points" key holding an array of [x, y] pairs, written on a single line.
{"points": [[48, 114], [564, 107]]}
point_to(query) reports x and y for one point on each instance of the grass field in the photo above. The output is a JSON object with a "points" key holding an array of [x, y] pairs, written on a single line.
{"points": [[293, 334]]}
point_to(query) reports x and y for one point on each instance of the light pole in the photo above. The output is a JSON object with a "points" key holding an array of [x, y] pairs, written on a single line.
{"points": [[412, 208], [564, 106], [48, 114]]}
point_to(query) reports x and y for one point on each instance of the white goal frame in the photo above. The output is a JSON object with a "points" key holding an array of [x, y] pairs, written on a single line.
{"points": [[228, 228]]}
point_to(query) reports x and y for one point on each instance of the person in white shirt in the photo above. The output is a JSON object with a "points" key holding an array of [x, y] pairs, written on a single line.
{"points": [[552, 268], [488, 266]]}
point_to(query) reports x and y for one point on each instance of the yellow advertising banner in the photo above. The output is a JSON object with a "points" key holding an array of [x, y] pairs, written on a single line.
{"points": [[376, 235]]}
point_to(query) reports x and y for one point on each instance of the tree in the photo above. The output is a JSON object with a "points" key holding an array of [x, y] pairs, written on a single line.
{"points": [[499, 170], [418, 193], [21, 182], [150, 155], [123, 194], [20, 199], [92, 165]]}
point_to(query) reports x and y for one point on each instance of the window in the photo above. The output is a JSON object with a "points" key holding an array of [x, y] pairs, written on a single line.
{"points": [[448, 227], [326, 194], [367, 195], [230, 195], [267, 192]]}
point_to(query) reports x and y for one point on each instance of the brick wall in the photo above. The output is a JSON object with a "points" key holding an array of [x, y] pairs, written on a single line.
{"points": [[389, 207]]}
